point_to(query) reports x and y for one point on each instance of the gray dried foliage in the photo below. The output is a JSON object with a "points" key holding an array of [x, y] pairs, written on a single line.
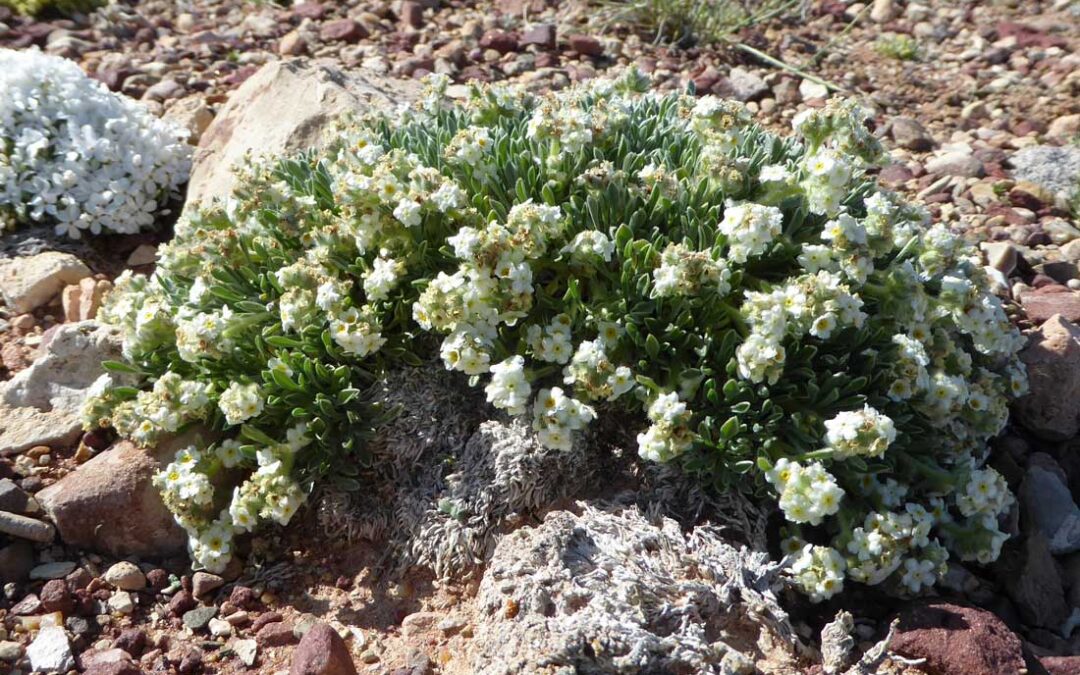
{"points": [[618, 591]]}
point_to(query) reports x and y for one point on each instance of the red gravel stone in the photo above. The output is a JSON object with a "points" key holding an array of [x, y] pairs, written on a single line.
{"points": [[276, 635], [1041, 306], [342, 30], [958, 640], [586, 45], [500, 41]]}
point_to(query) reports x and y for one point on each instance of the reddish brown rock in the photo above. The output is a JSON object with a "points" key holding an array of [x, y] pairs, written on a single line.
{"points": [[276, 634], [342, 30], [309, 10], [1041, 306], [500, 41], [109, 504], [55, 597], [586, 45], [957, 640], [322, 652], [1061, 665], [542, 35], [411, 14]]}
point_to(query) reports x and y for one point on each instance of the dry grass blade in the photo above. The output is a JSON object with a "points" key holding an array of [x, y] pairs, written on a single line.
{"points": [[692, 21]]}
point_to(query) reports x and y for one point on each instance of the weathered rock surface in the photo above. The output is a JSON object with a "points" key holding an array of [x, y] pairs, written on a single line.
{"points": [[322, 652], [1049, 505], [51, 651], [286, 106], [1051, 409], [642, 588], [957, 640], [29, 282], [59, 379], [41, 405], [1052, 167], [110, 505], [1032, 582]]}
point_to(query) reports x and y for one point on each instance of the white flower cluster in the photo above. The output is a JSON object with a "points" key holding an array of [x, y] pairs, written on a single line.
{"points": [[75, 155], [669, 434], [686, 272], [864, 432], [750, 228], [807, 493], [819, 571], [813, 304]]}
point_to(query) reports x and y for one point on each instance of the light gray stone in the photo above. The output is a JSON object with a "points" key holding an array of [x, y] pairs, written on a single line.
{"points": [[26, 528], [1049, 504], [1054, 168], [126, 576], [955, 163], [51, 651], [52, 570], [29, 282]]}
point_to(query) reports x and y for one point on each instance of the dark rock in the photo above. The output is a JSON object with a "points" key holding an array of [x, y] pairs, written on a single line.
{"points": [[198, 618], [895, 175], [1033, 583], [12, 497], [181, 603], [309, 10], [909, 133], [244, 598], [191, 663], [264, 619], [157, 578], [342, 30], [76, 625], [411, 14], [957, 640], [1051, 409], [586, 45], [132, 641], [276, 634], [16, 561], [322, 652], [542, 35], [501, 41], [55, 597]]}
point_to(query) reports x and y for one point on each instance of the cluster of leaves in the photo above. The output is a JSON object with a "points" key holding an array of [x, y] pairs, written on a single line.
{"points": [[898, 46], [51, 7], [770, 319], [692, 21]]}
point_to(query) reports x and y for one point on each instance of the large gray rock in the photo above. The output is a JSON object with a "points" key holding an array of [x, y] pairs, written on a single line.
{"points": [[1056, 168], [1051, 409], [29, 282], [41, 405], [1049, 506], [285, 107], [1032, 581], [110, 505]]}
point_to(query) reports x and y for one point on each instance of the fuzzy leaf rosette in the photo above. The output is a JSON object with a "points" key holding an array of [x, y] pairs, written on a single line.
{"points": [[763, 313], [77, 156]]}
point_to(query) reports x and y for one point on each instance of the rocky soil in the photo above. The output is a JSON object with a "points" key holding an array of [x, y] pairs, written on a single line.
{"points": [[984, 123]]}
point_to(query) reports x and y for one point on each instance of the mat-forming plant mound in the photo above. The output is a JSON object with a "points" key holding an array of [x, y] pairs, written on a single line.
{"points": [[761, 312], [77, 156]]}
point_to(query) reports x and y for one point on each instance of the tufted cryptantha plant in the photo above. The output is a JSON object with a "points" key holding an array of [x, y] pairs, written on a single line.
{"points": [[754, 308]]}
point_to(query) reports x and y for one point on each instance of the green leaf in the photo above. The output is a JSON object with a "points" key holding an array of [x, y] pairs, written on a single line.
{"points": [[121, 367]]}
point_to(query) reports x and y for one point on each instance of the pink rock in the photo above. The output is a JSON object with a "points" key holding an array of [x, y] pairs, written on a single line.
{"points": [[322, 652], [276, 635], [958, 640], [586, 45], [1039, 307], [500, 41], [342, 30]]}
